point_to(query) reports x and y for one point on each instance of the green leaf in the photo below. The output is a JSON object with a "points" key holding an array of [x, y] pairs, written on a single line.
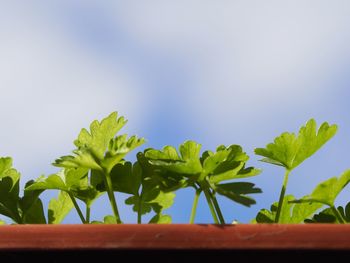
{"points": [[186, 164], [99, 149], [291, 213], [226, 164], [289, 150], [138, 204], [327, 215], [161, 219], [163, 200], [126, 178], [9, 190], [174, 171], [110, 220], [59, 208], [98, 139], [345, 212], [327, 191], [32, 207], [119, 148], [53, 181], [74, 181], [82, 158], [146, 191], [35, 214], [238, 192]]}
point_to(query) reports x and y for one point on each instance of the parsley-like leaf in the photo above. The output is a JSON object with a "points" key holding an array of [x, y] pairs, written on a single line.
{"points": [[327, 191], [59, 208], [290, 214], [289, 150]]}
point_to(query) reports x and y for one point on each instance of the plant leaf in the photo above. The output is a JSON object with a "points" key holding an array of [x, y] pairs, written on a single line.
{"points": [[176, 171], [59, 208], [161, 219], [126, 178], [238, 192], [53, 181], [327, 215], [32, 207], [9, 190], [327, 191], [186, 164], [289, 150], [98, 139], [291, 213], [99, 149]]}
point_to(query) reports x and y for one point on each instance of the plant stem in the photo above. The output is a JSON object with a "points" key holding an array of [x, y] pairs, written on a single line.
{"points": [[112, 200], [283, 192], [211, 207], [337, 215], [77, 208], [217, 208], [87, 214], [194, 205], [139, 214]]}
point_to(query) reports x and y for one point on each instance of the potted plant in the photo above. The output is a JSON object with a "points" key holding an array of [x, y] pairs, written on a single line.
{"points": [[98, 165]]}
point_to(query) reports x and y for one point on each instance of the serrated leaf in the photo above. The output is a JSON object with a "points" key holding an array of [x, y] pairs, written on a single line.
{"points": [[82, 158], [53, 181], [230, 164], [138, 205], [119, 148], [176, 171], [238, 192], [327, 191], [100, 149], [291, 213], [98, 139], [327, 215], [59, 208], [187, 164], [289, 150]]}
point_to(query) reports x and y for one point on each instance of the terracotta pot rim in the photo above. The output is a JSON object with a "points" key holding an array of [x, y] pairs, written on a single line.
{"points": [[175, 237]]}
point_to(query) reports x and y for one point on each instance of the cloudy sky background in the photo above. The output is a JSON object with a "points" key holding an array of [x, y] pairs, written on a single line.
{"points": [[218, 72]]}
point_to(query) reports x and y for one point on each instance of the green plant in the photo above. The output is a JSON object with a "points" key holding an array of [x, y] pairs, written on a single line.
{"points": [[98, 166]]}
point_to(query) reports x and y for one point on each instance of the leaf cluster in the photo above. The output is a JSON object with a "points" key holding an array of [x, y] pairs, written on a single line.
{"points": [[98, 166]]}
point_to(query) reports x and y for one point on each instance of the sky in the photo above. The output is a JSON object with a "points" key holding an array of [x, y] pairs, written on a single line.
{"points": [[217, 72]]}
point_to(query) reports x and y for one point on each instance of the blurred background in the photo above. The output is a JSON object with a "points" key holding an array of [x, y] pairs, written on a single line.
{"points": [[218, 72]]}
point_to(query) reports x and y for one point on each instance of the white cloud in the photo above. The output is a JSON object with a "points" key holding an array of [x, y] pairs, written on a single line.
{"points": [[247, 57], [50, 88]]}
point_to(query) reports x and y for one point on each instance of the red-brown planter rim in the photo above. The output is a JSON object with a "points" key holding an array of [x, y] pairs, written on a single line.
{"points": [[175, 236]]}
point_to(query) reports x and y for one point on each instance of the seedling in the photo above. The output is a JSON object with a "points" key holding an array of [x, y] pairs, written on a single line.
{"points": [[98, 166]]}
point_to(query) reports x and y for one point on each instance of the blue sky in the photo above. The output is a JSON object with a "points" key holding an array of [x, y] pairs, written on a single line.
{"points": [[218, 72]]}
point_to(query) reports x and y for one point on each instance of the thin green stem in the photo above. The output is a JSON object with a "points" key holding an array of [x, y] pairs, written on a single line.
{"points": [[211, 207], [80, 213], [194, 205], [139, 214], [217, 208], [112, 200], [87, 214], [337, 215], [283, 192]]}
